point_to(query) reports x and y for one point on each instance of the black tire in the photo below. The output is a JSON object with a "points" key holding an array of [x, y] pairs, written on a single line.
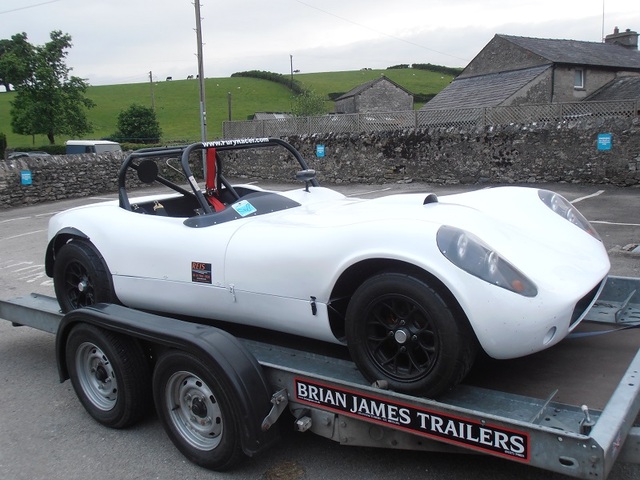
{"points": [[80, 277], [400, 330], [110, 375], [197, 410]]}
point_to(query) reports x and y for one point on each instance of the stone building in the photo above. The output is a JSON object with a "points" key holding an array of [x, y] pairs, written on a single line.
{"points": [[513, 70], [379, 95]]}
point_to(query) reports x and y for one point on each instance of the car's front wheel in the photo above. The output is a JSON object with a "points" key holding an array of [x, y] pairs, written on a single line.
{"points": [[80, 277], [400, 330]]}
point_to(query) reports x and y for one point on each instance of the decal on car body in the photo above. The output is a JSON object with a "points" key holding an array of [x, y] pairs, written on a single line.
{"points": [[235, 142], [200, 272]]}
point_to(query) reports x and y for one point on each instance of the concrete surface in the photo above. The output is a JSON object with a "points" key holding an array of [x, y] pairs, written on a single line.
{"points": [[46, 434]]}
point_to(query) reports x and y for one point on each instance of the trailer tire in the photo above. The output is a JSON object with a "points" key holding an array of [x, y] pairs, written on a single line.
{"points": [[80, 277], [401, 330], [198, 410], [110, 375]]}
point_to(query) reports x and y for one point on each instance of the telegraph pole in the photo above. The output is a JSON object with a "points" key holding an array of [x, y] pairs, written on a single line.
{"points": [[203, 108], [153, 101], [291, 61]]}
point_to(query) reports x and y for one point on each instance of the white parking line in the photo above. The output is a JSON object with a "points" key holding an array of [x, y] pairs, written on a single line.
{"points": [[604, 222], [14, 219], [23, 234], [48, 214], [28, 272], [599, 192], [357, 194], [12, 265]]}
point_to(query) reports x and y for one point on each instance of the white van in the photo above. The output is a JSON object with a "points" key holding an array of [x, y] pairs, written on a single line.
{"points": [[91, 146]]}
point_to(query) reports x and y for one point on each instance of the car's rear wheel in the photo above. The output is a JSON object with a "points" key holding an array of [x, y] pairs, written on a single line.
{"points": [[400, 330], [80, 277]]}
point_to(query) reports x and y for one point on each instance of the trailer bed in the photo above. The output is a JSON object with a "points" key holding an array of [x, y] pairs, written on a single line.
{"points": [[505, 414]]}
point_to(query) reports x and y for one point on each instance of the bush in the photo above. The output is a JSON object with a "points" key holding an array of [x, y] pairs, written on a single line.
{"points": [[138, 124], [423, 97], [437, 68], [273, 77], [308, 104], [50, 149]]}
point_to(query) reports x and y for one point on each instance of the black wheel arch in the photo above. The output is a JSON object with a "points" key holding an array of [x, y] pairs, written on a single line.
{"points": [[210, 344], [356, 274], [62, 237]]}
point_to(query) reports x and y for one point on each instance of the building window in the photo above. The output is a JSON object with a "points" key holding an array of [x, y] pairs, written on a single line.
{"points": [[578, 80]]}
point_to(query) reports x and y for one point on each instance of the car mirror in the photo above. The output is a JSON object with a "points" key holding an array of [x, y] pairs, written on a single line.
{"points": [[306, 176]]}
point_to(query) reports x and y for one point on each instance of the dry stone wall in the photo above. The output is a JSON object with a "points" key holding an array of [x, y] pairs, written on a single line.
{"points": [[540, 153], [57, 177]]}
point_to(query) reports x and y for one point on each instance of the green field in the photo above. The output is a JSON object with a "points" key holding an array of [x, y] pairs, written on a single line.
{"points": [[177, 102]]}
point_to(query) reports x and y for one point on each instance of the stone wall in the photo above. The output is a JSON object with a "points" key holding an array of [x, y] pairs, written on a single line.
{"points": [[380, 95], [553, 152], [58, 177], [384, 97], [564, 78]]}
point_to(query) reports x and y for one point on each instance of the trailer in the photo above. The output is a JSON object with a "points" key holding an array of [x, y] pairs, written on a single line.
{"points": [[219, 394]]}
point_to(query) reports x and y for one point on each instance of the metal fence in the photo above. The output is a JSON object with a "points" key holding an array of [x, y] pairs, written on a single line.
{"points": [[461, 117]]}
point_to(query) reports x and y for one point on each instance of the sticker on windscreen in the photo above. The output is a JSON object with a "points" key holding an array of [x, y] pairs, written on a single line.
{"points": [[244, 208]]}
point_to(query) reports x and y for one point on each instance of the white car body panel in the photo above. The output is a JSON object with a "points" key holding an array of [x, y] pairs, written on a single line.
{"points": [[266, 270]]}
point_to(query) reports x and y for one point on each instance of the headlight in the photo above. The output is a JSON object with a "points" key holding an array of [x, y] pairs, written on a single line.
{"points": [[563, 207], [469, 253]]}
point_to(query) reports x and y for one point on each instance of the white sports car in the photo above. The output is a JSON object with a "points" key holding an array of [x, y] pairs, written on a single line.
{"points": [[413, 284]]}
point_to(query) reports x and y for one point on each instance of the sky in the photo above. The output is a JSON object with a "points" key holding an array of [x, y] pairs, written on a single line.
{"points": [[124, 41]]}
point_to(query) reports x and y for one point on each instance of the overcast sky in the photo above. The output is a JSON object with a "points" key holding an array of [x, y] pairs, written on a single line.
{"points": [[121, 41]]}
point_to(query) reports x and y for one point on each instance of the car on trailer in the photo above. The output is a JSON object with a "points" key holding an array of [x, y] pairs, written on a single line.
{"points": [[414, 285]]}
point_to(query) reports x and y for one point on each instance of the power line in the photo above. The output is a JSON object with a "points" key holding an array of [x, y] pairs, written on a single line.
{"points": [[29, 6], [379, 32]]}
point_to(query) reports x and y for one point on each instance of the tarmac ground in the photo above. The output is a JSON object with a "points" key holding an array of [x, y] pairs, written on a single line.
{"points": [[46, 434]]}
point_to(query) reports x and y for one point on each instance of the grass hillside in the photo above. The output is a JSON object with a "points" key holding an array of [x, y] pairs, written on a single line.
{"points": [[177, 102]]}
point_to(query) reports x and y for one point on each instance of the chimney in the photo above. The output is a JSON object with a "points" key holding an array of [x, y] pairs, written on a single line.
{"points": [[626, 39]]}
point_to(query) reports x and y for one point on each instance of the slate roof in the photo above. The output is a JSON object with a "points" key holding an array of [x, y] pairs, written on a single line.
{"points": [[361, 88], [577, 52], [622, 88], [483, 90]]}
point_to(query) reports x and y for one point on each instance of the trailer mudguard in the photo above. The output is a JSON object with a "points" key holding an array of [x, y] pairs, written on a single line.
{"points": [[211, 344]]}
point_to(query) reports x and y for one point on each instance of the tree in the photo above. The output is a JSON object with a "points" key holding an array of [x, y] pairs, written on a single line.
{"points": [[138, 124], [48, 100], [5, 49], [307, 104], [3, 144], [13, 53]]}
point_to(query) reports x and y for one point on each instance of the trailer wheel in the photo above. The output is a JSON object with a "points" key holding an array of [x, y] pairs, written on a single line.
{"points": [[80, 277], [400, 330], [197, 410], [109, 374]]}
